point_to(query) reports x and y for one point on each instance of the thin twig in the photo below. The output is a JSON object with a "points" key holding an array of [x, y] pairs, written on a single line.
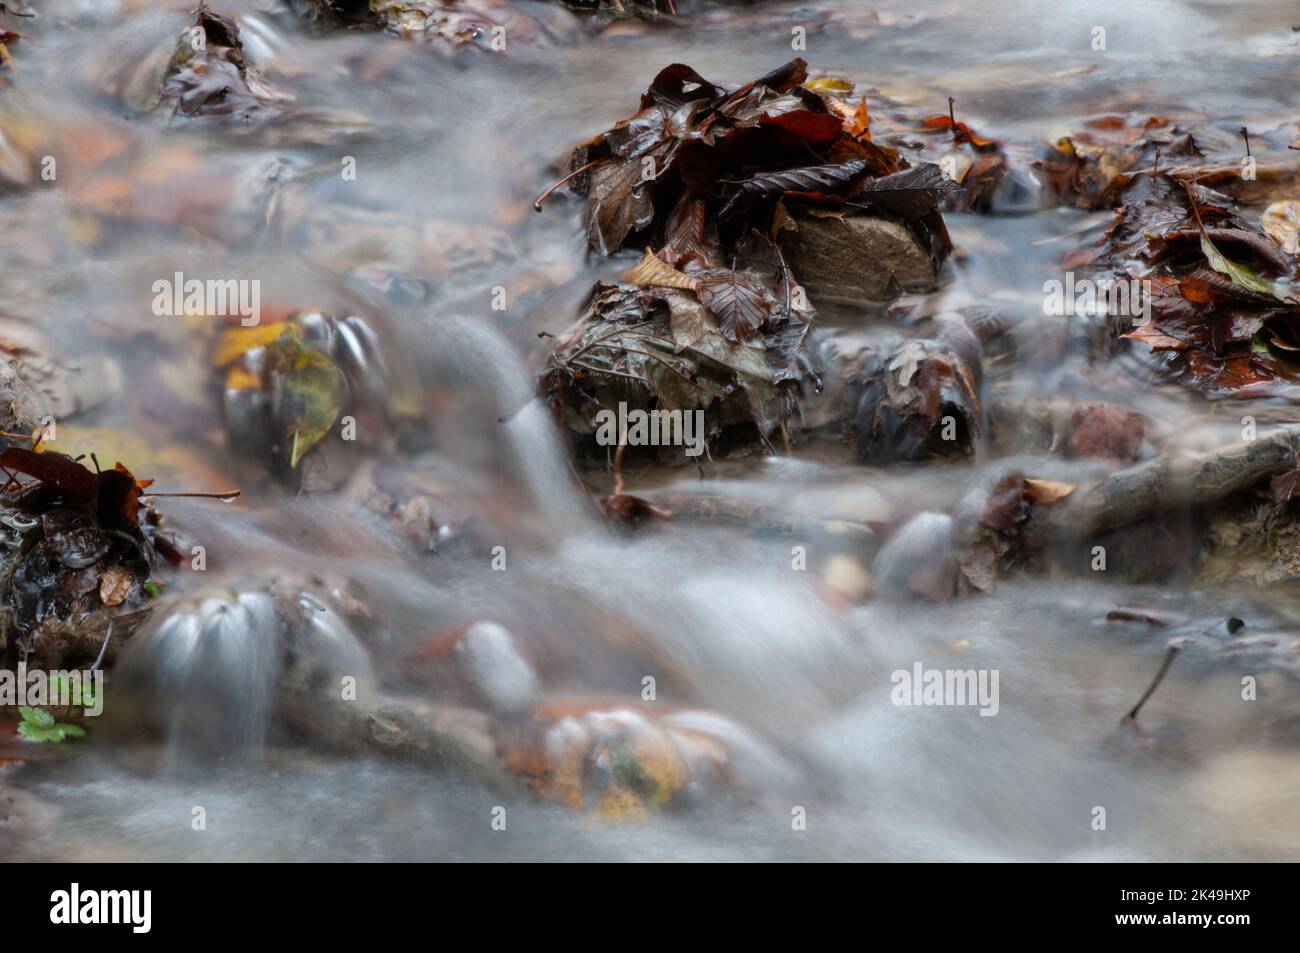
{"points": [[537, 205], [103, 649], [618, 465], [1155, 683]]}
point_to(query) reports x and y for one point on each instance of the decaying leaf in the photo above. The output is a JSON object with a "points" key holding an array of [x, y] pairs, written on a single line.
{"points": [[918, 400], [739, 302], [1108, 431], [309, 395], [285, 384], [115, 585], [1281, 221]]}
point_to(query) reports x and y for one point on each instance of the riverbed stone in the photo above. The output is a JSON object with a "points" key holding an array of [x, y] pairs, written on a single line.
{"points": [[856, 258]]}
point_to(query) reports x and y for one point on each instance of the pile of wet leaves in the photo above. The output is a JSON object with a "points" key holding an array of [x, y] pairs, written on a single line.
{"points": [[209, 74], [1090, 168], [449, 26], [703, 180], [1223, 310], [79, 549]]}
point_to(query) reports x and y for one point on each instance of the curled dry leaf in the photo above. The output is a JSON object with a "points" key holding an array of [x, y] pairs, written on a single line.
{"points": [[115, 585], [1047, 491], [651, 271], [1281, 221]]}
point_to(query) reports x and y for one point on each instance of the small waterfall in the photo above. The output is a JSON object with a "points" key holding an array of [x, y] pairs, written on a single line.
{"points": [[535, 447], [203, 674], [917, 555]]}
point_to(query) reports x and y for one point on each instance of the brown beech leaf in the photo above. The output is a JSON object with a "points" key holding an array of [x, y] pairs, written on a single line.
{"points": [[859, 126], [684, 231], [618, 203], [1108, 431], [677, 84], [962, 132], [911, 193], [737, 299], [813, 181], [652, 272]]}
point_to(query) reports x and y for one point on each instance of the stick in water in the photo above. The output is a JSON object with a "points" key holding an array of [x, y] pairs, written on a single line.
{"points": [[1155, 683], [537, 206]]}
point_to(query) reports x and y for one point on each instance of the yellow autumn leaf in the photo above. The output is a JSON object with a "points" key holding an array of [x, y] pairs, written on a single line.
{"points": [[1047, 491], [652, 271], [236, 342], [829, 84], [240, 378]]}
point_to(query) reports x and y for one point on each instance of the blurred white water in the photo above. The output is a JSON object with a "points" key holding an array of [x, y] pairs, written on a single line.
{"points": [[798, 678]]}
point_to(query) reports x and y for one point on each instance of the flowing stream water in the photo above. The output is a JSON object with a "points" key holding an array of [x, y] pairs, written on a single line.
{"points": [[449, 154]]}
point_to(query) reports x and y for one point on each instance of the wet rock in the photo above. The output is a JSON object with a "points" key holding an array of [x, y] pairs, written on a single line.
{"points": [[35, 388], [856, 258], [652, 349], [917, 400], [492, 661], [847, 578], [203, 671], [311, 385], [207, 670], [920, 559], [210, 75], [623, 761]]}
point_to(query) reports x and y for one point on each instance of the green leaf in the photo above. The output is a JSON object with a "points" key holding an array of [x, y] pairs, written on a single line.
{"points": [[316, 387], [36, 716], [38, 725], [1240, 274]]}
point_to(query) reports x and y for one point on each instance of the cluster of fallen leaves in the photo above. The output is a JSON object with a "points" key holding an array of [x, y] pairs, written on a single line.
{"points": [[448, 25], [700, 168], [1223, 308], [78, 540], [209, 73], [1089, 168], [977, 163], [701, 179]]}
